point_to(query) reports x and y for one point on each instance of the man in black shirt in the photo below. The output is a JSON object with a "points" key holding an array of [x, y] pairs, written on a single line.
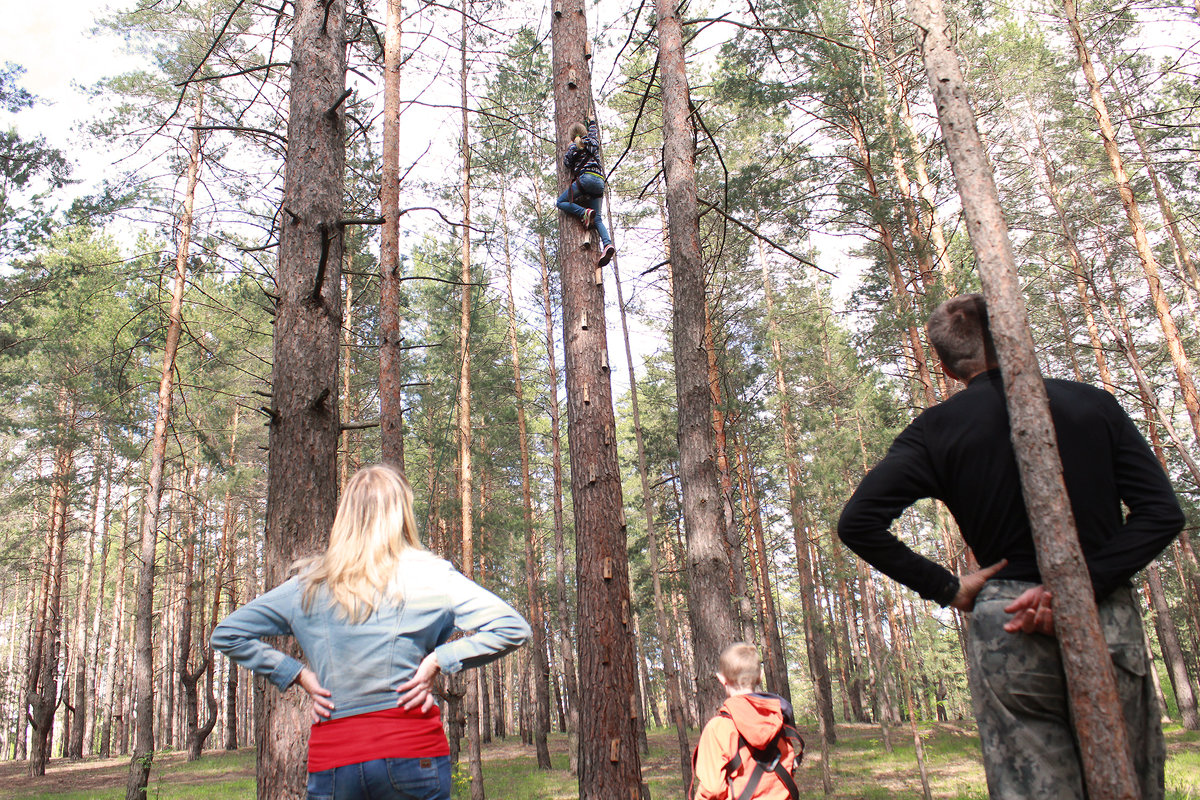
{"points": [[959, 452]]}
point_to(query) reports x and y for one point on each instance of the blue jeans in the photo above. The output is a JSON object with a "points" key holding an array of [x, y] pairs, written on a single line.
{"points": [[384, 779], [589, 189]]}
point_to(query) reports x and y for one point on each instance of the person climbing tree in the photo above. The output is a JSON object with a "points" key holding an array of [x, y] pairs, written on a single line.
{"points": [[587, 183]]}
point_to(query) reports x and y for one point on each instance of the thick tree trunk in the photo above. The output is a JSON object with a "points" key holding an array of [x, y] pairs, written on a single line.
{"points": [[1105, 749], [609, 762], [302, 478], [391, 378], [713, 621], [733, 543]]}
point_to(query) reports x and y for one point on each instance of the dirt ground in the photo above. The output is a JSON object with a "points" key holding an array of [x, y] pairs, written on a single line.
{"points": [[92, 774]]}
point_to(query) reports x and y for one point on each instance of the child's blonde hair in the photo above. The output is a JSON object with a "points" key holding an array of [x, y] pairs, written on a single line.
{"points": [[373, 526], [577, 131], [740, 666]]}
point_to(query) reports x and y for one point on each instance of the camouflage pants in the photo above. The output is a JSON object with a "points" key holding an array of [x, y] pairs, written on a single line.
{"points": [[1020, 698]]}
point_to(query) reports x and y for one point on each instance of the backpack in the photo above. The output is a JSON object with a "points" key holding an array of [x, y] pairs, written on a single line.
{"points": [[767, 760]]}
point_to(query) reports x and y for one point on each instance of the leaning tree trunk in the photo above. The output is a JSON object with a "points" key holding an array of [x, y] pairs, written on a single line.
{"points": [[143, 751], [1104, 746], [1162, 305], [391, 379], [709, 592], [302, 479], [609, 762]]}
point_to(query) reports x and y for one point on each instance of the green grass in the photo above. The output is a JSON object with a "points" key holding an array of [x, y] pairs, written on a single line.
{"points": [[863, 769]]}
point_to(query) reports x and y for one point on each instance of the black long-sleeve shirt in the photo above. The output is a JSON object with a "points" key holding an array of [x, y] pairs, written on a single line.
{"points": [[585, 158], [959, 451]]}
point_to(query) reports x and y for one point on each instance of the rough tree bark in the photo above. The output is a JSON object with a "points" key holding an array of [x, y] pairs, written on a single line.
{"points": [[391, 379], [302, 478], [1104, 746], [713, 620], [609, 762]]}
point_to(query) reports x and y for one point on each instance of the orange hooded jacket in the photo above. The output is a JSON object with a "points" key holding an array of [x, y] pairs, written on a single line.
{"points": [[759, 719]]}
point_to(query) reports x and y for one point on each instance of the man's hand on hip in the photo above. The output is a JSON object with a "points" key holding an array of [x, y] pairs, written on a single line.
{"points": [[969, 585]]}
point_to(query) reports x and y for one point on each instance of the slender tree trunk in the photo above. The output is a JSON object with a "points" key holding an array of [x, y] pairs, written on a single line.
{"points": [[471, 698], [713, 620], [775, 663], [79, 644], [560, 558], [1162, 305], [1105, 749], [814, 625], [302, 477], [609, 761], [113, 653], [665, 634], [532, 567], [93, 678], [391, 378], [1183, 257], [1168, 640], [143, 754], [43, 695]]}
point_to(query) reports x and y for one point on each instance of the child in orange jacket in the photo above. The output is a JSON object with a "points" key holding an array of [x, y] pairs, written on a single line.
{"points": [[748, 750]]}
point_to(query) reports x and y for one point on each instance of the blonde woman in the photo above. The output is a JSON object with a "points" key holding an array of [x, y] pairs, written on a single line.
{"points": [[373, 615]]}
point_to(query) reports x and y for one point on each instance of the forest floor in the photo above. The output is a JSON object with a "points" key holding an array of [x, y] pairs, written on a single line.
{"points": [[862, 769]]}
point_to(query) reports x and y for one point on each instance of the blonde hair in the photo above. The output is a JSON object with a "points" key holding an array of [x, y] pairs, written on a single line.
{"points": [[373, 527], [577, 131], [740, 666]]}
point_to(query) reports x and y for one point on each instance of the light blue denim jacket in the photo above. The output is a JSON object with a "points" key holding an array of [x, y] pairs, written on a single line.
{"points": [[362, 664]]}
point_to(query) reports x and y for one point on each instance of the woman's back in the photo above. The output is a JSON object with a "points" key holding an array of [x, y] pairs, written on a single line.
{"points": [[362, 663]]}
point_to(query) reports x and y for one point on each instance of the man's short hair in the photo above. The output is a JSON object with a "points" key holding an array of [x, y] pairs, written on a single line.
{"points": [[740, 666], [958, 330], [577, 130]]}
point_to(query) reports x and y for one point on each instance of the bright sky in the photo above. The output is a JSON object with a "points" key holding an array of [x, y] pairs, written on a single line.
{"points": [[53, 41]]}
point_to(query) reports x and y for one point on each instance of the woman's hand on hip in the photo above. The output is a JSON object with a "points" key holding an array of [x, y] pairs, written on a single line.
{"points": [[322, 706], [417, 691]]}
